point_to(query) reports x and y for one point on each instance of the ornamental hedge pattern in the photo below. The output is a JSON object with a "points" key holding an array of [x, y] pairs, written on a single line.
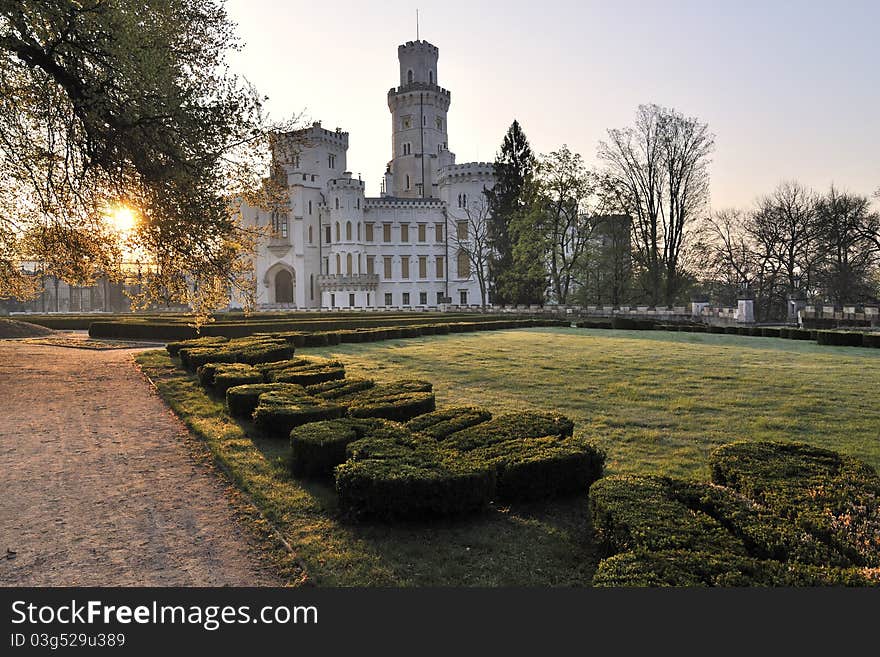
{"points": [[390, 452]]}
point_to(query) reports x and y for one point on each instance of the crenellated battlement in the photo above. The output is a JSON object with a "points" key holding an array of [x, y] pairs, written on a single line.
{"points": [[466, 171]]}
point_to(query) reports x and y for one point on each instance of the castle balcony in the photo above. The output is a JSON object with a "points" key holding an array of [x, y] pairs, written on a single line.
{"points": [[348, 281]]}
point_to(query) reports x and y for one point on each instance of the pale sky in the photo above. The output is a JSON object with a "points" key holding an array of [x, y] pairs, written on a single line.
{"points": [[790, 89]]}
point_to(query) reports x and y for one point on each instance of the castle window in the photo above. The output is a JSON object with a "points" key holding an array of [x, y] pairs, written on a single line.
{"points": [[338, 264], [387, 265], [431, 77], [332, 300], [461, 230], [331, 162], [351, 299], [404, 266], [359, 231], [423, 266], [439, 123], [438, 232], [407, 148], [386, 232], [423, 298], [422, 233], [462, 297], [464, 264], [327, 238], [441, 273], [369, 232], [388, 299], [407, 181], [310, 234], [409, 76], [358, 204], [348, 230], [404, 232], [371, 265], [326, 265], [310, 206], [407, 122], [405, 300], [337, 202], [348, 264], [312, 287], [284, 227]]}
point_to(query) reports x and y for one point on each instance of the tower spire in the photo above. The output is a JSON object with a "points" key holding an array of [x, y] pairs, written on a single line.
{"points": [[417, 24]]}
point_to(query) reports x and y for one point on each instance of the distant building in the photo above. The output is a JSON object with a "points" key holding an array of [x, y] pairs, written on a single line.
{"points": [[335, 247]]}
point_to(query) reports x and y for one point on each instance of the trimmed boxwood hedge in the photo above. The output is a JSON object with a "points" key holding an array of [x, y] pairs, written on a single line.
{"points": [[839, 338], [777, 514], [339, 388], [305, 372], [173, 348], [871, 339], [243, 400], [630, 324], [400, 406], [835, 498], [245, 350], [221, 376], [688, 568], [421, 486], [513, 426], [278, 413], [440, 424], [317, 448], [770, 331]]}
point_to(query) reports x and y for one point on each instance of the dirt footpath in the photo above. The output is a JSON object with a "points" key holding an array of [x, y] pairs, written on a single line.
{"points": [[97, 486]]}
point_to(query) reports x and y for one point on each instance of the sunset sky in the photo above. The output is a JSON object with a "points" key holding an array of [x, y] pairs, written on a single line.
{"points": [[791, 89]]}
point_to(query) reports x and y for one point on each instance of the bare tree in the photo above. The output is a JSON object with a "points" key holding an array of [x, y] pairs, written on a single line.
{"points": [[470, 236], [847, 238], [662, 164], [785, 227]]}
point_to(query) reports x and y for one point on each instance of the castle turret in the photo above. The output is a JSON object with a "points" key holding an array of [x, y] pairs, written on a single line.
{"points": [[418, 123]]}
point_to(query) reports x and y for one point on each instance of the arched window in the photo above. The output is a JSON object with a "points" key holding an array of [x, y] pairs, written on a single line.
{"points": [[348, 264], [348, 230], [338, 264], [310, 234], [359, 231], [338, 238], [431, 77], [337, 202], [312, 287], [409, 76], [464, 264], [407, 181]]}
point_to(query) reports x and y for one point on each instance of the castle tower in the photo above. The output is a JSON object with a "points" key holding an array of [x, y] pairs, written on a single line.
{"points": [[418, 124]]}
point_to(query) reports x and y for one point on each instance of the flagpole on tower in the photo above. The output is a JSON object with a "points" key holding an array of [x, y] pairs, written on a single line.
{"points": [[417, 24]]}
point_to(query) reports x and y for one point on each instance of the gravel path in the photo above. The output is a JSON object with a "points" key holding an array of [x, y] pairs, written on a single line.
{"points": [[97, 486]]}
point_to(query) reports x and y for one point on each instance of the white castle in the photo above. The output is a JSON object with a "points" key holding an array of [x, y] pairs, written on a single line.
{"points": [[337, 248]]}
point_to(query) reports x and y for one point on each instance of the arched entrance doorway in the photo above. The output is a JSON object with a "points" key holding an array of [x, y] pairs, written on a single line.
{"points": [[283, 286]]}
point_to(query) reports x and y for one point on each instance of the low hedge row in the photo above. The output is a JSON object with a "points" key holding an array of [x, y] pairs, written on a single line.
{"points": [[776, 514], [243, 400], [245, 350], [688, 568], [173, 348], [833, 497], [839, 338], [278, 412], [441, 424], [222, 376], [314, 332]]}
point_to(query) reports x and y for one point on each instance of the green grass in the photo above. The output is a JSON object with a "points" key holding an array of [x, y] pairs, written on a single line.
{"points": [[658, 403]]}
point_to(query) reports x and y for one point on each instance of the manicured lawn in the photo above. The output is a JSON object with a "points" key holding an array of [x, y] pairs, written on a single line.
{"points": [[657, 402]]}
